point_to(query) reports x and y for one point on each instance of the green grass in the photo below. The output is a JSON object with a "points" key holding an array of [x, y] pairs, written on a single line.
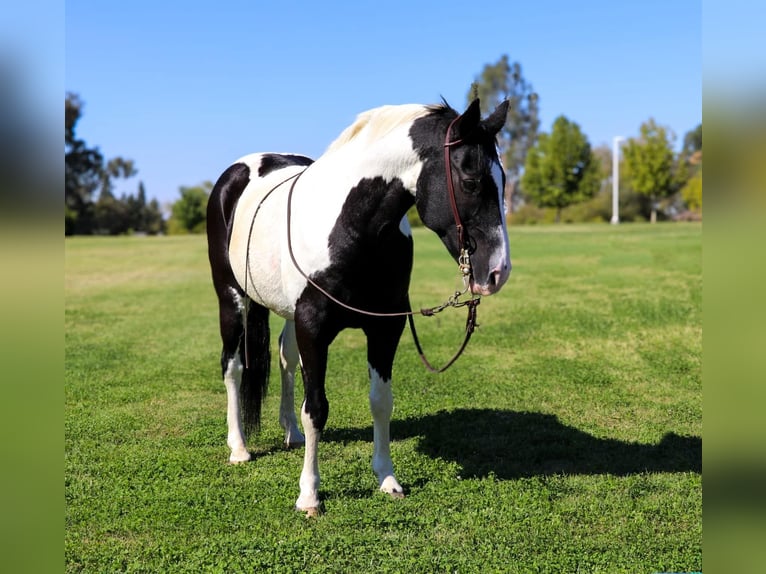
{"points": [[567, 438]]}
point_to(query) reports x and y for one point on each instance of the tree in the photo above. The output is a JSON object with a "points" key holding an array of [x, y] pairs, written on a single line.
{"points": [[693, 141], [561, 169], [691, 157], [111, 214], [692, 192], [497, 82], [189, 212], [137, 209], [154, 223], [86, 172], [82, 173], [649, 164]]}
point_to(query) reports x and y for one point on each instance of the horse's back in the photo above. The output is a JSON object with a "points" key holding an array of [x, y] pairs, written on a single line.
{"points": [[249, 172]]}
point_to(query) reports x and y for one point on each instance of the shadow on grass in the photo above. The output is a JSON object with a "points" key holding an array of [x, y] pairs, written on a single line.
{"points": [[522, 444]]}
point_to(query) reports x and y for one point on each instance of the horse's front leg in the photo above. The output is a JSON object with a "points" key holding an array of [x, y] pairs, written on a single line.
{"points": [[382, 340], [313, 355]]}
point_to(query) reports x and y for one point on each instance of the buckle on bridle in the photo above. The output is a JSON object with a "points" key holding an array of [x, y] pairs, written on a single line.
{"points": [[464, 263]]}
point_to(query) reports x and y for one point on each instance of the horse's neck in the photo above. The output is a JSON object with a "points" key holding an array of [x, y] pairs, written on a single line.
{"points": [[391, 157]]}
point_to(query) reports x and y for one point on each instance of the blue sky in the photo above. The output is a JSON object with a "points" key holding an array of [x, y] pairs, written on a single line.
{"points": [[185, 88]]}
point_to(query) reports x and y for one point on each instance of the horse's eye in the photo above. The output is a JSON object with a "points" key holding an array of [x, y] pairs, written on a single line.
{"points": [[470, 185]]}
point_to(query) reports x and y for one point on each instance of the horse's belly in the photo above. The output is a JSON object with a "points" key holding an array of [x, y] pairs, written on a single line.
{"points": [[258, 249], [255, 258]]}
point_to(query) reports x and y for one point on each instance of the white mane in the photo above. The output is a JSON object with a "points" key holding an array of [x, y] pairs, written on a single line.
{"points": [[377, 122]]}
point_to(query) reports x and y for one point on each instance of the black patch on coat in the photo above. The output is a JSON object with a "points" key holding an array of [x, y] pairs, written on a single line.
{"points": [[220, 208], [276, 161], [370, 258], [370, 267]]}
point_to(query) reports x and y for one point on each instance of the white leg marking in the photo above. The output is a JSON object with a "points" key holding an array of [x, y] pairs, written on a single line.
{"points": [[309, 482], [288, 361], [236, 438], [381, 405]]}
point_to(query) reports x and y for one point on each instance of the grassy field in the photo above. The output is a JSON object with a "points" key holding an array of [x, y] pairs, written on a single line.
{"points": [[566, 439]]}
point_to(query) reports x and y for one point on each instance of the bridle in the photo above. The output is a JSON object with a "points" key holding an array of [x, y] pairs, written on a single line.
{"points": [[464, 259], [464, 265]]}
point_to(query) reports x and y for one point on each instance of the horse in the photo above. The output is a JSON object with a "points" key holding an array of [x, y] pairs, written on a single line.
{"points": [[326, 245]]}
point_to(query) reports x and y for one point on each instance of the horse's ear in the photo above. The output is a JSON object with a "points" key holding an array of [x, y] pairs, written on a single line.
{"points": [[495, 122], [469, 120]]}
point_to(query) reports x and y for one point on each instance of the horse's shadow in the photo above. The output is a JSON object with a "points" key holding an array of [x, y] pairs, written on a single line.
{"points": [[512, 445]]}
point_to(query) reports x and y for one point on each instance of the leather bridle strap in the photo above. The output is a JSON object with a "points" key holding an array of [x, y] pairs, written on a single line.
{"points": [[450, 184], [470, 326]]}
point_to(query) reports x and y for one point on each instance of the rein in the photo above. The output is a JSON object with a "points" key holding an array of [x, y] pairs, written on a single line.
{"points": [[464, 265]]}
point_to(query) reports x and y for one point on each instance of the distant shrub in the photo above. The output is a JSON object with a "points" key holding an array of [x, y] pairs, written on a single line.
{"points": [[529, 214]]}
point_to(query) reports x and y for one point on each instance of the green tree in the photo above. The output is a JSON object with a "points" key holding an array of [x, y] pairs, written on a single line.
{"points": [[188, 212], [693, 141], [115, 168], [500, 81], [154, 223], [86, 173], [691, 159], [650, 164], [111, 214], [561, 169], [82, 172], [692, 192], [137, 209]]}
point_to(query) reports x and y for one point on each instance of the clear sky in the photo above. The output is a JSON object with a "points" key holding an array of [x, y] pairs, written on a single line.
{"points": [[185, 88]]}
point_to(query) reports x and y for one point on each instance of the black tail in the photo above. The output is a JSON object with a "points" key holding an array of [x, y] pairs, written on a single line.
{"points": [[255, 353]]}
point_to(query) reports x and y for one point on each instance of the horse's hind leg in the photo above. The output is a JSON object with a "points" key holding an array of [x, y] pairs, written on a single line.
{"points": [[288, 363], [230, 315]]}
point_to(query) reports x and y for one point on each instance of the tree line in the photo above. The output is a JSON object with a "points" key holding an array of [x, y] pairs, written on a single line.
{"points": [[559, 176], [88, 173], [551, 176], [92, 208]]}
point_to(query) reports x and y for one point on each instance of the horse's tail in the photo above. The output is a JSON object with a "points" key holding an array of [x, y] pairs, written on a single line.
{"points": [[256, 358]]}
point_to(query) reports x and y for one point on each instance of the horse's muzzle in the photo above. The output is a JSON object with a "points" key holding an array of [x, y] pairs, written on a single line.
{"points": [[494, 281]]}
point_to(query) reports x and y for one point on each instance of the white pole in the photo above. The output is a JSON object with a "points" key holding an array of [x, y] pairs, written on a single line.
{"points": [[616, 179]]}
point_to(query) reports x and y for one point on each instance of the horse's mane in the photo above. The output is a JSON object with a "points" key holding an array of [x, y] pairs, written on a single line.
{"points": [[377, 122]]}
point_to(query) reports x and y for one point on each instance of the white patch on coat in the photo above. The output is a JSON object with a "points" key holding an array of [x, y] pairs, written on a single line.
{"points": [[377, 122], [504, 257], [238, 299]]}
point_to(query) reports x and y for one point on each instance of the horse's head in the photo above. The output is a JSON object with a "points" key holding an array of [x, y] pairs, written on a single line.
{"points": [[478, 180]]}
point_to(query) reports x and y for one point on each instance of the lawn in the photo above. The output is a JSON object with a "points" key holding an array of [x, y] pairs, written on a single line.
{"points": [[567, 438]]}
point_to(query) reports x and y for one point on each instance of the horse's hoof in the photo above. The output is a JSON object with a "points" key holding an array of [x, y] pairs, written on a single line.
{"points": [[390, 486], [312, 512], [294, 444], [239, 457]]}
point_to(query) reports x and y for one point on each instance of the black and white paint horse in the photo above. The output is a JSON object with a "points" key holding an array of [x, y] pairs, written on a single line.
{"points": [[349, 234]]}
